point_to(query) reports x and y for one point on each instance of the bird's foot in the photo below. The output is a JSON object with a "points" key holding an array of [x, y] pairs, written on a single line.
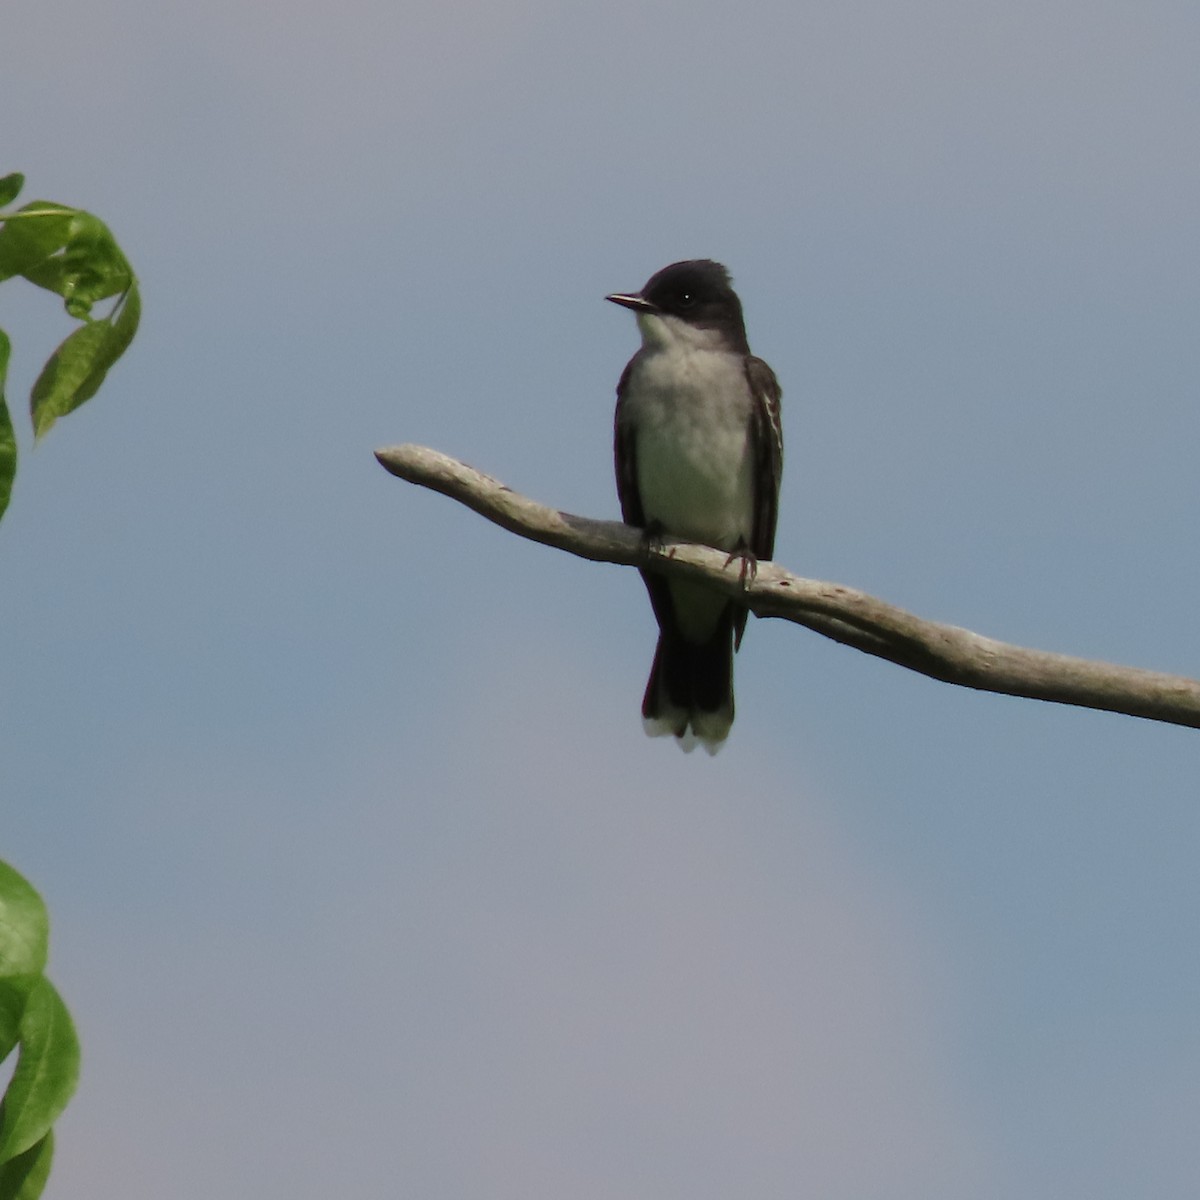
{"points": [[749, 563], [654, 539]]}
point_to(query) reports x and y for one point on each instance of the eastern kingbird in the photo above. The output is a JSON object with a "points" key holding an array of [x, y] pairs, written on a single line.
{"points": [[699, 453]]}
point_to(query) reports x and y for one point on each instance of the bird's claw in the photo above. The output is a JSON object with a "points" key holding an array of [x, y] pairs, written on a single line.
{"points": [[749, 563], [654, 539]]}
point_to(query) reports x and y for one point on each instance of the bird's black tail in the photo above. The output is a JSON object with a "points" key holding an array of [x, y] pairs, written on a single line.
{"points": [[690, 691]]}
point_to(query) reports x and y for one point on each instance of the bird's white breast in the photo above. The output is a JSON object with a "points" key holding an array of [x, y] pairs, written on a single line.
{"points": [[692, 409]]}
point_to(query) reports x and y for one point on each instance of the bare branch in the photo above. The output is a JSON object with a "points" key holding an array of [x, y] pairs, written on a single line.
{"points": [[844, 614]]}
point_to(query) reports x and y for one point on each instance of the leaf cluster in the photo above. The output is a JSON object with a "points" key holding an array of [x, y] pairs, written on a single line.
{"points": [[73, 254], [35, 1023]]}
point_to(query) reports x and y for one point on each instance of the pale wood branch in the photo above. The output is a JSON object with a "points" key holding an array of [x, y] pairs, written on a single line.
{"points": [[842, 613]]}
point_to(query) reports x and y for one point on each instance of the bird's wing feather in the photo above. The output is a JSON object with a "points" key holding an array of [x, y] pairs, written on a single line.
{"points": [[766, 435], [625, 457]]}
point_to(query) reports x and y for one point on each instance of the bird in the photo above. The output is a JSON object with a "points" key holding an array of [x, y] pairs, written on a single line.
{"points": [[698, 452]]}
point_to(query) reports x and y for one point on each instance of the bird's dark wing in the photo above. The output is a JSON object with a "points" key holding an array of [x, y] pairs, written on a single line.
{"points": [[766, 436], [625, 458]]}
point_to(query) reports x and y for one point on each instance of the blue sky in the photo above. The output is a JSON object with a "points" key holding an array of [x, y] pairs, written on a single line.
{"points": [[364, 878]]}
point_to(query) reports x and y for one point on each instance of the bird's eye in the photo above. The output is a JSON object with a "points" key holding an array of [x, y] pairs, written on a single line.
{"points": [[686, 300]]}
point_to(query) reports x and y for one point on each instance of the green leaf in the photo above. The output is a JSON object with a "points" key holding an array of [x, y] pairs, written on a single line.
{"points": [[24, 925], [126, 322], [14, 993], [10, 187], [46, 1073], [77, 368], [26, 241], [24, 1177], [66, 371], [91, 267], [8, 437]]}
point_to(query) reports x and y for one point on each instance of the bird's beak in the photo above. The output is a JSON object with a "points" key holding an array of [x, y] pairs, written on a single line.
{"points": [[637, 303]]}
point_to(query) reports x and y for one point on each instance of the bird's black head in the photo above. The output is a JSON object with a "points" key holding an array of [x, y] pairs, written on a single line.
{"points": [[697, 291]]}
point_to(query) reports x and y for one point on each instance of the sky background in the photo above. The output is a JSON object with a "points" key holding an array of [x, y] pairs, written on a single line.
{"points": [[364, 878]]}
